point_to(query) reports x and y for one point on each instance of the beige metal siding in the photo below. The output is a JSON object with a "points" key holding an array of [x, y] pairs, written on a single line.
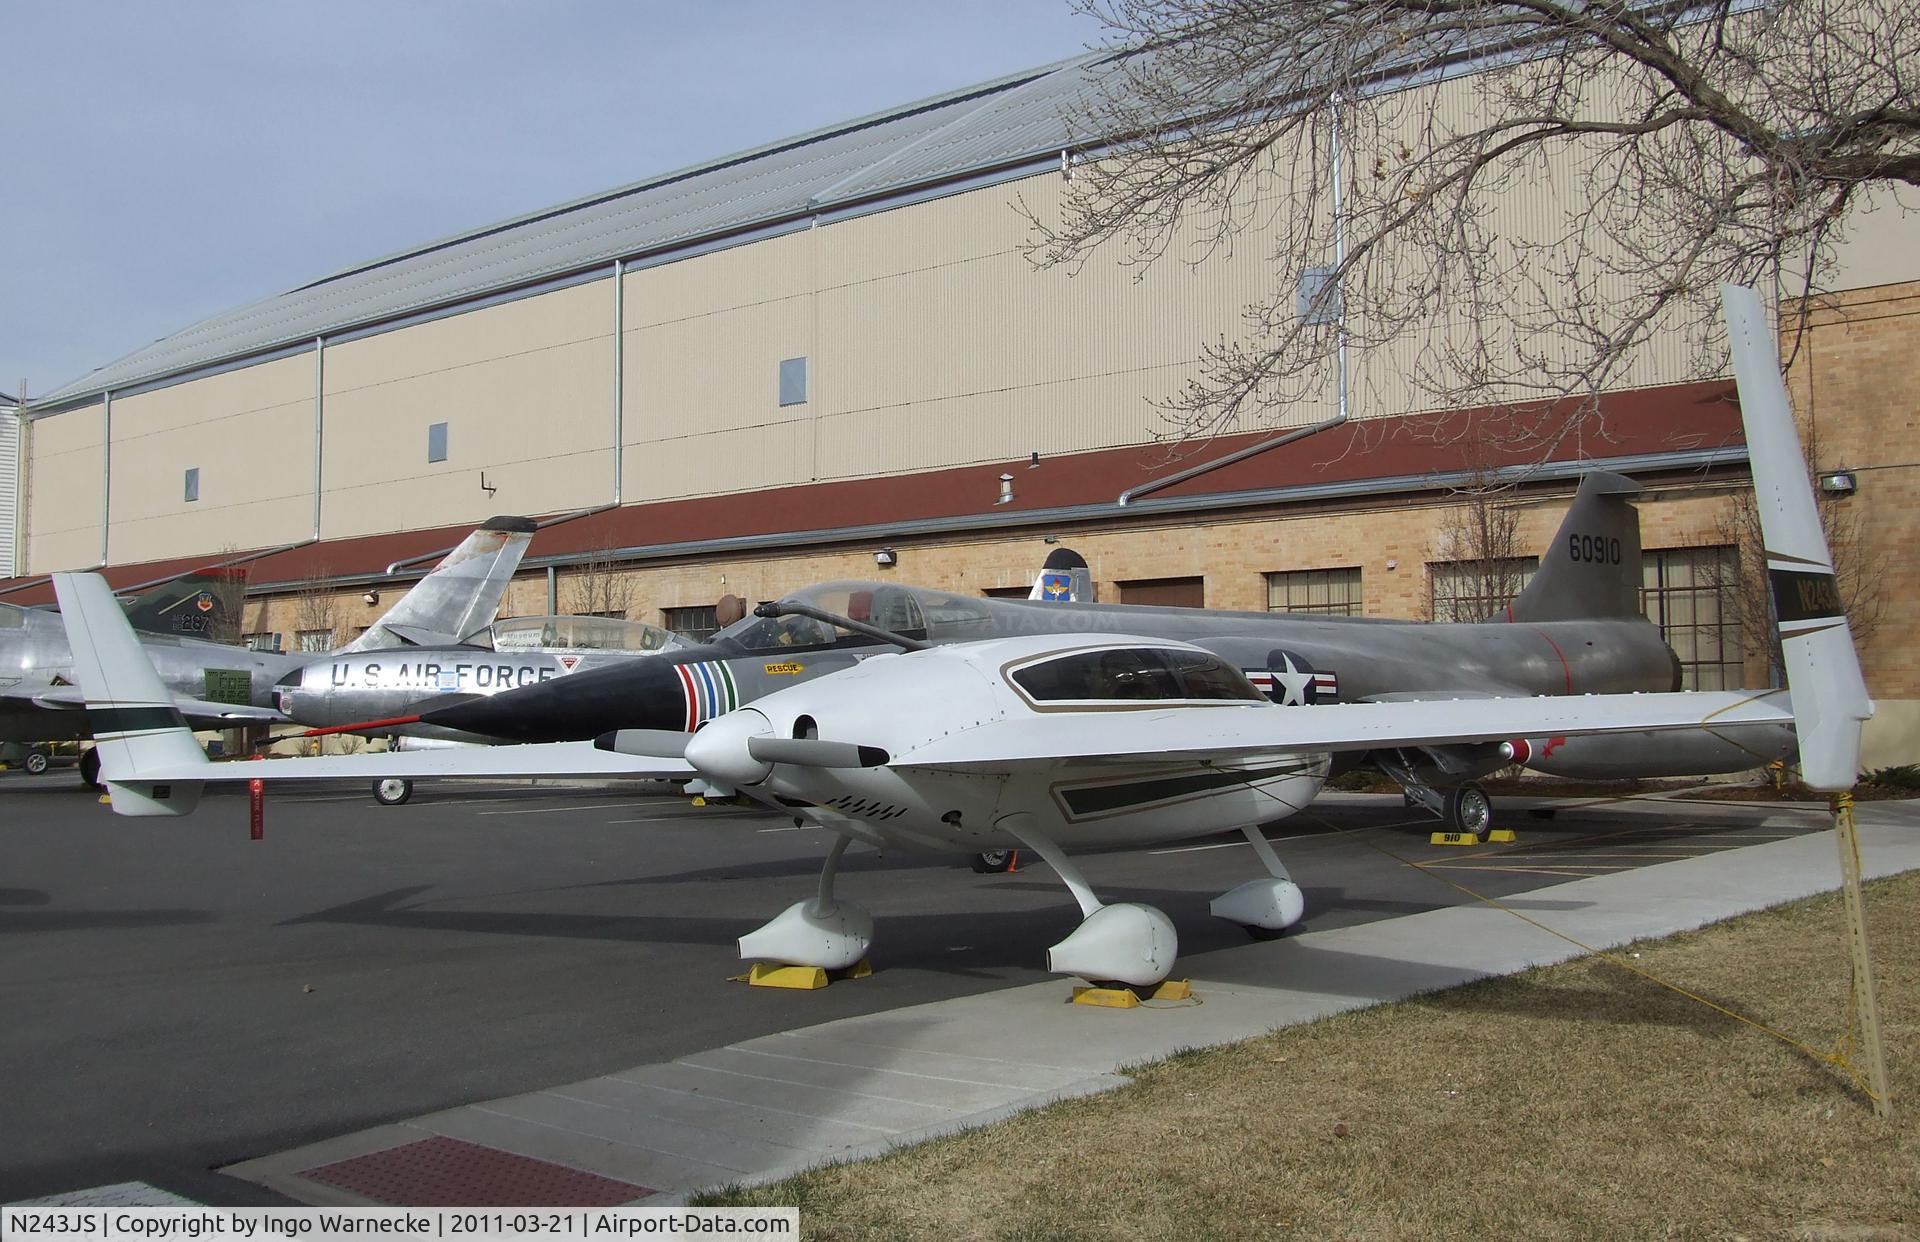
{"points": [[526, 388], [704, 341], [63, 491], [250, 434], [1881, 245]]}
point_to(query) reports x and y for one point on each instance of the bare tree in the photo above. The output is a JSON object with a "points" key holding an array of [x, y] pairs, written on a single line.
{"points": [[1858, 569], [229, 591], [598, 586], [1664, 146], [315, 611], [1477, 565]]}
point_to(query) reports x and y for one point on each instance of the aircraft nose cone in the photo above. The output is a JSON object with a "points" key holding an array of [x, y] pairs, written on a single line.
{"points": [[641, 693], [719, 751]]}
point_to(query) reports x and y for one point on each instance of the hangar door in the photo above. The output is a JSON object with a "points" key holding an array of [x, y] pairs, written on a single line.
{"points": [[1166, 592]]}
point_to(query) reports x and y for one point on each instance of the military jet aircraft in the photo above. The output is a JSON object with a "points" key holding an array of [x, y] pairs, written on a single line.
{"points": [[217, 686], [379, 695], [1053, 741], [382, 693], [1577, 628]]}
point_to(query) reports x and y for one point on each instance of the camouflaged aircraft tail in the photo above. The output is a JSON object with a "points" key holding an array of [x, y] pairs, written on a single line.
{"points": [[1592, 568]]}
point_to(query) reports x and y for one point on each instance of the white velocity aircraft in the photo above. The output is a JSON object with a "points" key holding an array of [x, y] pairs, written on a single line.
{"points": [[1059, 742]]}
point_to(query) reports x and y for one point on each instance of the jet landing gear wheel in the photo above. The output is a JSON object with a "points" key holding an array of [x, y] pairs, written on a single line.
{"points": [[1468, 809], [36, 763], [90, 768], [987, 862], [393, 791]]}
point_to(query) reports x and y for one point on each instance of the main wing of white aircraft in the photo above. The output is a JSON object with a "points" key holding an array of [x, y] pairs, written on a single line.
{"points": [[1228, 734]]}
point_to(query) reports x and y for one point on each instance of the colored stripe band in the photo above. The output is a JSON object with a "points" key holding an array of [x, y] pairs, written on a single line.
{"points": [[106, 720]]}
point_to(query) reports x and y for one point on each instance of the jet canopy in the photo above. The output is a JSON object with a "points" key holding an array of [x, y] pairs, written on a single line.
{"points": [[912, 612], [1132, 675], [578, 634]]}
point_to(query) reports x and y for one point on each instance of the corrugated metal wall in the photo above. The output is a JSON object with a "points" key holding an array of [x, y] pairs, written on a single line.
{"points": [[250, 435], [526, 389], [63, 491]]}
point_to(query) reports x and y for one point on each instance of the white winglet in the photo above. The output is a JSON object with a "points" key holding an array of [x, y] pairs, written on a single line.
{"points": [[134, 721], [1823, 670]]}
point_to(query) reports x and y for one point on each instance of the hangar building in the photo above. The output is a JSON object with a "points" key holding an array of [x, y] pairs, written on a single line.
{"points": [[768, 369]]}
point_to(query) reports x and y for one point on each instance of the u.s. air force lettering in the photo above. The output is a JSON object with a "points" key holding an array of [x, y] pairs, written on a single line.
{"points": [[430, 676]]}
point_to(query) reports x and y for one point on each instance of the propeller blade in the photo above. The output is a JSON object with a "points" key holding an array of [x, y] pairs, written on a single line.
{"points": [[812, 752], [647, 743]]}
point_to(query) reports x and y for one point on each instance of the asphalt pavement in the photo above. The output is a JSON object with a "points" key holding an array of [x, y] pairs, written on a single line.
{"points": [[183, 999]]}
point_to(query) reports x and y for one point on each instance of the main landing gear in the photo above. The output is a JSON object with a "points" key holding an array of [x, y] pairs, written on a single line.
{"points": [[1467, 808], [1462, 807], [1266, 908], [392, 791], [991, 862], [1122, 944]]}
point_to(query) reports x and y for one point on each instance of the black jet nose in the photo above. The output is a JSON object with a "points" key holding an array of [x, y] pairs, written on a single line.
{"points": [[641, 693]]}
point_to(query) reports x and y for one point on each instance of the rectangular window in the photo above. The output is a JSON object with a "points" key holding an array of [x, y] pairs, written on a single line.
{"points": [[192, 488], [436, 442], [1165, 592], [1331, 592], [1476, 590], [793, 381], [1693, 595], [262, 642], [696, 625], [315, 640]]}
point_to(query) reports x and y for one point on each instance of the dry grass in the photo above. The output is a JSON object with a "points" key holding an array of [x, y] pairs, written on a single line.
{"points": [[1577, 1101]]}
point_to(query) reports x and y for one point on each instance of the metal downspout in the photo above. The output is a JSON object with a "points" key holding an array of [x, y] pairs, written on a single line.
{"points": [[319, 425], [106, 473], [1340, 358], [619, 375]]}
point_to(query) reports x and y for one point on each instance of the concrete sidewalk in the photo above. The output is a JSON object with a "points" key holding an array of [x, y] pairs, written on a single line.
{"points": [[766, 1107]]}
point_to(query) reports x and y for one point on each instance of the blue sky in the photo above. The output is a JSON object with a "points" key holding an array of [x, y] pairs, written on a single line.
{"points": [[167, 161]]}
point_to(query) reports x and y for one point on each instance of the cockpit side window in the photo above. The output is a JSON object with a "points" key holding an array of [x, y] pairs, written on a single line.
{"points": [[1121, 674], [1205, 676], [881, 604], [951, 618], [781, 633], [1133, 674]]}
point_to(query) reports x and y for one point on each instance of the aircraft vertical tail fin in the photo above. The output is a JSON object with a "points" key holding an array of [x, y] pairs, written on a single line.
{"points": [[134, 721], [460, 596], [1592, 569], [1063, 579], [1830, 700], [203, 604]]}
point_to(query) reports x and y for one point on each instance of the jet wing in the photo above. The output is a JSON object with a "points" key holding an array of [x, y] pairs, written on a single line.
{"points": [[1233, 734], [200, 713], [545, 759]]}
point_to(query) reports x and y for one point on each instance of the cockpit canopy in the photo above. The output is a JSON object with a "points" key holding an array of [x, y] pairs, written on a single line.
{"points": [[1132, 675], [911, 612], [578, 634]]}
